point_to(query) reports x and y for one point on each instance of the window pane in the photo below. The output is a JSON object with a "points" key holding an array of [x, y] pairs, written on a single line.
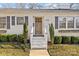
{"points": [[20, 20], [62, 22], [13, 20], [70, 22], [2, 22], [77, 22]]}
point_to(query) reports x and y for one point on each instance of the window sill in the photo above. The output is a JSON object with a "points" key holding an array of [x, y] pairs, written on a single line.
{"points": [[68, 31]]}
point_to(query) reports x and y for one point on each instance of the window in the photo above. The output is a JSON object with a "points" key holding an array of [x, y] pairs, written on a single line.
{"points": [[70, 22], [62, 22], [66, 22], [77, 22], [20, 20], [2, 22], [13, 20]]}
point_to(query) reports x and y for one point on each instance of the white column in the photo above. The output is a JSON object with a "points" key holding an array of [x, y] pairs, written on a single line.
{"points": [[33, 24]]}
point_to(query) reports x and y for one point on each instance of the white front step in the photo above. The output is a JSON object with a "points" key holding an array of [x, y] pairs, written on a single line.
{"points": [[38, 42]]}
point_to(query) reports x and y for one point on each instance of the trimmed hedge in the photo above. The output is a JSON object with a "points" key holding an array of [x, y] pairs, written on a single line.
{"points": [[21, 38], [3, 38], [66, 40], [11, 38], [8, 38], [75, 40], [58, 40]]}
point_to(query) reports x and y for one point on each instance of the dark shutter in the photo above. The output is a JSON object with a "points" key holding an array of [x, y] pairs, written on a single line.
{"points": [[13, 20], [73, 21], [8, 22], [26, 20], [56, 22]]}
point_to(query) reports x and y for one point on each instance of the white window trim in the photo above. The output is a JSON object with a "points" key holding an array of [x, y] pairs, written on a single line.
{"points": [[16, 20], [67, 24], [6, 24], [75, 23], [59, 23]]}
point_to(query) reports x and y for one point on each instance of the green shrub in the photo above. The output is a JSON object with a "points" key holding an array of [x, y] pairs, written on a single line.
{"points": [[8, 38], [21, 38], [25, 32], [3, 38], [12, 38], [51, 32], [66, 40], [57, 39], [74, 40]]}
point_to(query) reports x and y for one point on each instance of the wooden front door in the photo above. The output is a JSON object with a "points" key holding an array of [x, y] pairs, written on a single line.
{"points": [[38, 25]]}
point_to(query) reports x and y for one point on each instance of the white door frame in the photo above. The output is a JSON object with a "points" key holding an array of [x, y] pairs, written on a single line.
{"points": [[42, 23]]}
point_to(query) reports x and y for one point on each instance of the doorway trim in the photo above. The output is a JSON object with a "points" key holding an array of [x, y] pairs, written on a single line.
{"points": [[34, 23]]}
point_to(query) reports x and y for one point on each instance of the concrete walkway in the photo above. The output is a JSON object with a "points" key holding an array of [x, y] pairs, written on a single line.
{"points": [[39, 53]]}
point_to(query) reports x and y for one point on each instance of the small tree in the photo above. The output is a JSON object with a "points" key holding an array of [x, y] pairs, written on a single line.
{"points": [[51, 31], [25, 32]]}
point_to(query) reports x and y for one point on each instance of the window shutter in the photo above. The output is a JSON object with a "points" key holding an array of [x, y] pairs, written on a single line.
{"points": [[13, 20], [56, 22], [26, 20], [73, 21], [8, 22]]}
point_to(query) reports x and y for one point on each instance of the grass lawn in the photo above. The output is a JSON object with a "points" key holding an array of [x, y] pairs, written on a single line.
{"points": [[12, 50], [63, 50]]}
